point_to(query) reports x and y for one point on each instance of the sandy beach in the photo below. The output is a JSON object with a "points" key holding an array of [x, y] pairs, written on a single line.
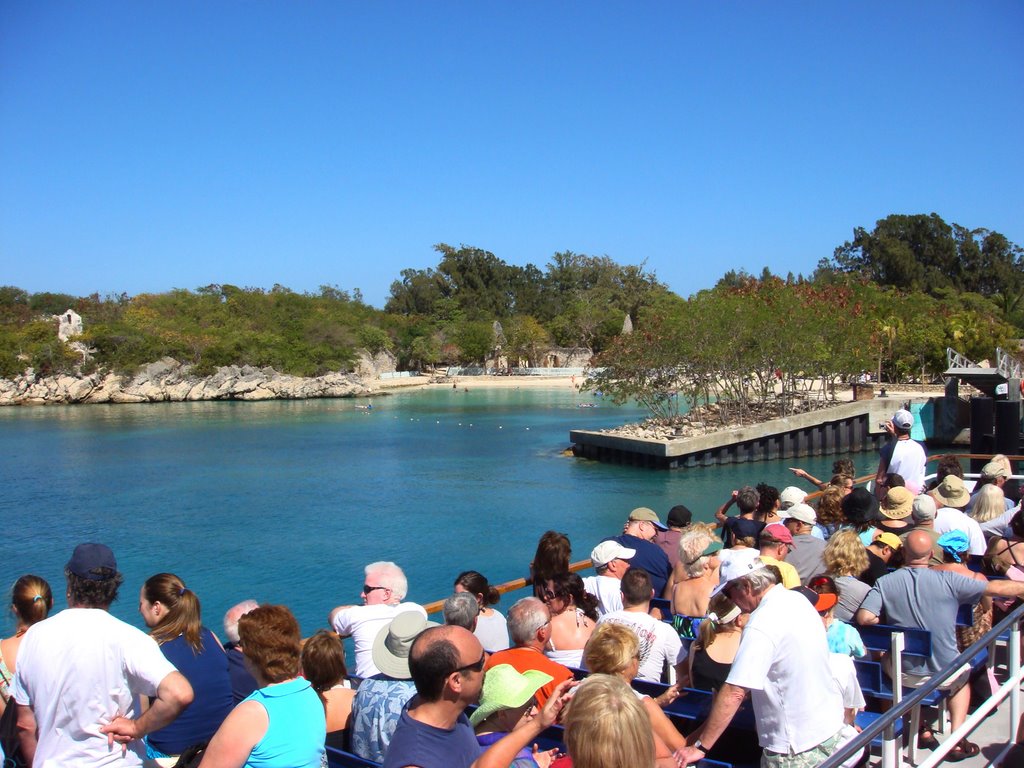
{"points": [[488, 382]]}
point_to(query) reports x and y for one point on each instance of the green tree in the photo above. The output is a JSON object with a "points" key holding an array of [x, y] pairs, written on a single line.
{"points": [[525, 338]]}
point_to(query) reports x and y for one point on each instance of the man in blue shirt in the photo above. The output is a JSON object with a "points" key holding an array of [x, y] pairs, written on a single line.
{"points": [[638, 534], [447, 666]]}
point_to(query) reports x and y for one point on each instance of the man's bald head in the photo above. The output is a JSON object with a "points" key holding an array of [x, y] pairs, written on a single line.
{"points": [[436, 653], [918, 547]]}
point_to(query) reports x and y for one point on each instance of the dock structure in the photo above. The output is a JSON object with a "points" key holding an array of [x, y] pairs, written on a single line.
{"points": [[843, 428]]}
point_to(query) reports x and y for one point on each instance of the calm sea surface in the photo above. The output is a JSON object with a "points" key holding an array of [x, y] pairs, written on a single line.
{"points": [[287, 501]]}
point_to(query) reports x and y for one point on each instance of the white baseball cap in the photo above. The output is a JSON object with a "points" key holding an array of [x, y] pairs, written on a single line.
{"points": [[791, 495], [740, 563], [610, 550], [802, 512]]}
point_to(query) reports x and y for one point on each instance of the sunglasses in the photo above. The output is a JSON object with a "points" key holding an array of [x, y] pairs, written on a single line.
{"points": [[475, 667], [367, 589]]}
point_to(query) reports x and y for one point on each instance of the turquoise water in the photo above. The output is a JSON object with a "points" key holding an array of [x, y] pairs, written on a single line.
{"points": [[287, 501]]}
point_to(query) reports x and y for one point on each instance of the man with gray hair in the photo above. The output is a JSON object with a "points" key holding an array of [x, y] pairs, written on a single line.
{"points": [[923, 515], [783, 649], [242, 681], [384, 589], [529, 624], [461, 610]]}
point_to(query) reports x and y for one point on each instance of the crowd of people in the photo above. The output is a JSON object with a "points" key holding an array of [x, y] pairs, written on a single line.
{"points": [[763, 603]]}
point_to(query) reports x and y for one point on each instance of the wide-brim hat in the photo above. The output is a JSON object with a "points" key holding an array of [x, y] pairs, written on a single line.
{"points": [[897, 504], [953, 492], [507, 688], [860, 506], [391, 647], [994, 469]]}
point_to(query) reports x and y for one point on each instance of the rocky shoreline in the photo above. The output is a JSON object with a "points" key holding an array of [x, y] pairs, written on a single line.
{"points": [[168, 380]]}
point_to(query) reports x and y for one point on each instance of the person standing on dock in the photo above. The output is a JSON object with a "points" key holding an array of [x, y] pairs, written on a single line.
{"points": [[902, 455], [384, 590], [638, 534]]}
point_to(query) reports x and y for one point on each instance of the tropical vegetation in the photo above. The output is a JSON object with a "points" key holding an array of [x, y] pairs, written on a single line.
{"points": [[888, 302]]}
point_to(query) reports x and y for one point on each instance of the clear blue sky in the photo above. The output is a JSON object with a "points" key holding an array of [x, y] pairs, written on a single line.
{"points": [[152, 145]]}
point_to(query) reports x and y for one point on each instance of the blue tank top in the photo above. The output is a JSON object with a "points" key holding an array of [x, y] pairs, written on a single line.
{"points": [[207, 673], [298, 726]]}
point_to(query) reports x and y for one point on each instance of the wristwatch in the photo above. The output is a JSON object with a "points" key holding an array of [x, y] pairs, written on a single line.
{"points": [[701, 747]]}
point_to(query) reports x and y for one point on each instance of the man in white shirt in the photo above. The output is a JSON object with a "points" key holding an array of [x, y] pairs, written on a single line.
{"points": [[905, 457], [80, 674], [951, 498], [659, 643], [384, 590], [783, 649], [611, 561]]}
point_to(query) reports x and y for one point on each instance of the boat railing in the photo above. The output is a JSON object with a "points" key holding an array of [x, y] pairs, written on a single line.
{"points": [[884, 726]]}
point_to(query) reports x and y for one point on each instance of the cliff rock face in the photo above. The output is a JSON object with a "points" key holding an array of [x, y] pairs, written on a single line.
{"points": [[170, 381], [370, 366]]}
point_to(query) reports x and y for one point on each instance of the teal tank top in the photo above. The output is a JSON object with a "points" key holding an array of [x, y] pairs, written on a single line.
{"points": [[298, 726]]}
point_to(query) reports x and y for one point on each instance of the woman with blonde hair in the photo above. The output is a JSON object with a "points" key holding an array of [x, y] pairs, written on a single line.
{"points": [[31, 602], [845, 560], [172, 613], [718, 639], [696, 573], [614, 649], [989, 509], [607, 727]]}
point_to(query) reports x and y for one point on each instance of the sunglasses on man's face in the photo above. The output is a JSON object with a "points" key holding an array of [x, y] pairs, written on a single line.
{"points": [[475, 667], [367, 589]]}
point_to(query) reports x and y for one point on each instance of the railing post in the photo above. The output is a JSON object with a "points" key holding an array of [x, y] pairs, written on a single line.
{"points": [[892, 752], [1014, 650]]}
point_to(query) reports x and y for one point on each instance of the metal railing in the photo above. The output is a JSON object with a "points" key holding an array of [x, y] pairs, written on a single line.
{"points": [[1008, 365], [891, 752], [955, 360]]}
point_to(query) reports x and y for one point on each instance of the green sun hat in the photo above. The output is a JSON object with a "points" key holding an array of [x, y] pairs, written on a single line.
{"points": [[506, 688]]}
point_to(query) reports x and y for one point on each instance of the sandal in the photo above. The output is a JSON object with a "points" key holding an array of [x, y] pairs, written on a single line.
{"points": [[962, 751], [926, 739]]}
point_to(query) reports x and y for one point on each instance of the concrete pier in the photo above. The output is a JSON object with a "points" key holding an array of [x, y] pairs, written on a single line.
{"points": [[844, 428]]}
